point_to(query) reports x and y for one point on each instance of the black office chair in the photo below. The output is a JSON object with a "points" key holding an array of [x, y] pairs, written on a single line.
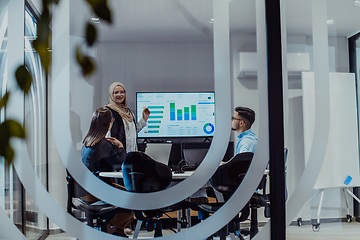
{"points": [[258, 200], [142, 174], [226, 180], [263, 199], [101, 214]]}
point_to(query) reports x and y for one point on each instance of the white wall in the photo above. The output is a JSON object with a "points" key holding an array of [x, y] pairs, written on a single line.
{"points": [[244, 90], [160, 66], [84, 98]]}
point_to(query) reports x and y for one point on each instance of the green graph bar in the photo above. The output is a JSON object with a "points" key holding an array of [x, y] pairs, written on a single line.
{"points": [[179, 115], [153, 131], [193, 112], [154, 121], [155, 116], [155, 107], [154, 112], [153, 126], [186, 113], [172, 111]]}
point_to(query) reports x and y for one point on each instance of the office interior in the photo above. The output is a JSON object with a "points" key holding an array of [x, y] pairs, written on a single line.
{"points": [[185, 46]]}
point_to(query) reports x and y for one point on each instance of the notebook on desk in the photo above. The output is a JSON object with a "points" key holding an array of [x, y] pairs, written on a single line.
{"points": [[160, 152], [194, 157]]}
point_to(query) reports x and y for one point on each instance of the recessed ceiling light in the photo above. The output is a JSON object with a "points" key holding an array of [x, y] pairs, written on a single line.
{"points": [[357, 3], [95, 19], [330, 22]]}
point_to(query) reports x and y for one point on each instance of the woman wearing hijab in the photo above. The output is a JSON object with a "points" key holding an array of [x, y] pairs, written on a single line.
{"points": [[124, 127], [101, 154]]}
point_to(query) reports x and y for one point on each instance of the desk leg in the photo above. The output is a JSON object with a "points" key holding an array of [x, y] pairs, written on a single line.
{"points": [[253, 222], [137, 229], [179, 217], [188, 217], [182, 215]]}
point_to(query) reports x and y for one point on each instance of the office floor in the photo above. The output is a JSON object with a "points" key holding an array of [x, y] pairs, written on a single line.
{"points": [[328, 231]]}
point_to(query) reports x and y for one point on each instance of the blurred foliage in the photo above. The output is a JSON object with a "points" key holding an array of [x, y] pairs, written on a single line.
{"points": [[42, 42], [86, 63], [23, 78], [10, 128], [101, 9], [91, 34], [4, 100]]}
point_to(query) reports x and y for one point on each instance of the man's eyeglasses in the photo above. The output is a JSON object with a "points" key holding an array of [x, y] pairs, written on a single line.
{"points": [[233, 119]]}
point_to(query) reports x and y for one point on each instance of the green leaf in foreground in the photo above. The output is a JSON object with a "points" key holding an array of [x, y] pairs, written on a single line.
{"points": [[4, 100], [8, 129], [42, 42], [91, 34], [8, 153], [101, 9], [23, 78], [86, 63]]}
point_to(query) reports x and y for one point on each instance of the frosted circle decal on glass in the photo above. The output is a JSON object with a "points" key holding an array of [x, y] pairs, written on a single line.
{"points": [[68, 155], [102, 190], [185, 188]]}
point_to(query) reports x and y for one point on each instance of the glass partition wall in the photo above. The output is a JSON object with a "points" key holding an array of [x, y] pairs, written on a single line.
{"points": [[182, 46], [317, 98], [287, 62]]}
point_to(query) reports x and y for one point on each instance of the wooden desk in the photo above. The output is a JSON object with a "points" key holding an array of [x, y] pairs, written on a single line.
{"points": [[175, 176]]}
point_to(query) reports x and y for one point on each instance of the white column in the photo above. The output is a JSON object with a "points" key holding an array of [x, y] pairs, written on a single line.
{"points": [[322, 112], [262, 149], [3, 28], [59, 85], [284, 70], [15, 107]]}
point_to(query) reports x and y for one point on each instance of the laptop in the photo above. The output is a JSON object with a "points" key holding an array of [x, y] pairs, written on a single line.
{"points": [[160, 152], [194, 157]]}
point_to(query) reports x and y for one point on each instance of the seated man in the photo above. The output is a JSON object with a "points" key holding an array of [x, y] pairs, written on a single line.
{"points": [[241, 123]]}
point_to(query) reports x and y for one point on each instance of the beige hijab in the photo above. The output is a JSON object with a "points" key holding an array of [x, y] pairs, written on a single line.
{"points": [[122, 109]]}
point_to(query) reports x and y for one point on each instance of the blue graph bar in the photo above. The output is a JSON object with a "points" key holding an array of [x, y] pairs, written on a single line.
{"points": [[172, 111], [186, 116], [172, 116]]}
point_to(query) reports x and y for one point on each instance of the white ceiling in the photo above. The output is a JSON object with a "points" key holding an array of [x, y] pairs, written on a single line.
{"points": [[188, 20]]}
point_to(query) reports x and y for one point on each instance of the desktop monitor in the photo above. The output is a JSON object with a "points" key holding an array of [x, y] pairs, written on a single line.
{"points": [[177, 114]]}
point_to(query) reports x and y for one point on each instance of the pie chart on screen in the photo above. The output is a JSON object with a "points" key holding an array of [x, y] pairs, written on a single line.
{"points": [[209, 128]]}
